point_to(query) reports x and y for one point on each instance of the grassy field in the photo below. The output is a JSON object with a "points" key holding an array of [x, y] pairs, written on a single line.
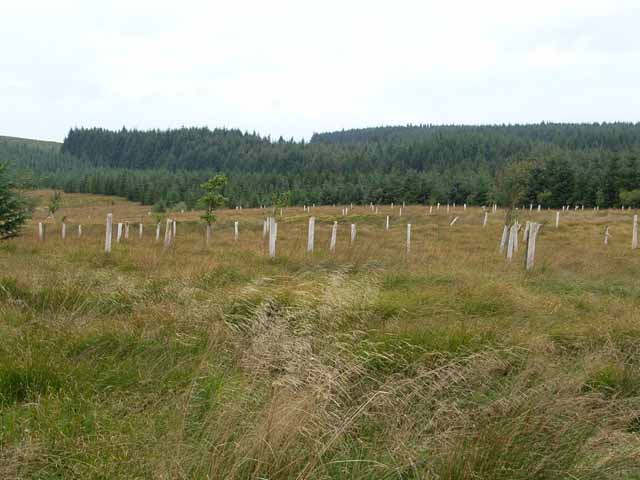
{"points": [[370, 363]]}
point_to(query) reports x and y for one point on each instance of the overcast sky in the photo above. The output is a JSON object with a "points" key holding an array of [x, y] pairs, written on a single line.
{"points": [[292, 68]]}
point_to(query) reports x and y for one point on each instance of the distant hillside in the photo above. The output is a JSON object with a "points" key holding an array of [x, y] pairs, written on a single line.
{"points": [[184, 148], [566, 135], [551, 164], [382, 149], [34, 160], [39, 144]]}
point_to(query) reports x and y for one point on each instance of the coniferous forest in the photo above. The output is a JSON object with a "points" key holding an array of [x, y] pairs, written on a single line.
{"points": [[550, 164]]}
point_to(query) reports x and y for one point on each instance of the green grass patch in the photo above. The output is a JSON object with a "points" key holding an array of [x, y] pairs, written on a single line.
{"points": [[8, 247], [67, 299], [405, 281], [398, 352], [222, 277], [125, 362], [619, 380], [22, 384]]}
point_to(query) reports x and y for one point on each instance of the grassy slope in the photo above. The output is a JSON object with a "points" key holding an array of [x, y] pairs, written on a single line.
{"points": [[218, 363], [40, 144]]}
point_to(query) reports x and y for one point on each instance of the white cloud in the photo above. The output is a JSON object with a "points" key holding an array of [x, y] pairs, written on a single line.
{"points": [[294, 67]]}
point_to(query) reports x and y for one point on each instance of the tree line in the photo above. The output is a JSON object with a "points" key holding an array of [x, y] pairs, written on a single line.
{"points": [[551, 164]]}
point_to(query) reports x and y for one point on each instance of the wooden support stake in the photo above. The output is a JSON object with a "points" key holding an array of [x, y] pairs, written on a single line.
{"points": [[235, 231], [408, 237], [167, 233], [503, 240], [207, 234], [311, 234], [334, 237], [530, 253], [525, 234], [109, 233], [353, 232], [634, 235], [273, 235], [513, 233]]}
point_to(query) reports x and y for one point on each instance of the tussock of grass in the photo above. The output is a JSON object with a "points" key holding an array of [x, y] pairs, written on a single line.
{"points": [[22, 384], [615, 379]]}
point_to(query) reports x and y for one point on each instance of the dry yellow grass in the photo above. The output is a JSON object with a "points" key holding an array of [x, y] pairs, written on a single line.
{"points": [[217, 362]]}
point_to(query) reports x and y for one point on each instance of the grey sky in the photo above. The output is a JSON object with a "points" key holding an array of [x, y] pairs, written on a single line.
{"points": [[292, 68]]}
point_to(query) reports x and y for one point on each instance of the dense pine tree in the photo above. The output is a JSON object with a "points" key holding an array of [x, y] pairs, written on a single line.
{"points": [[13, 211], [612, 182]]}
